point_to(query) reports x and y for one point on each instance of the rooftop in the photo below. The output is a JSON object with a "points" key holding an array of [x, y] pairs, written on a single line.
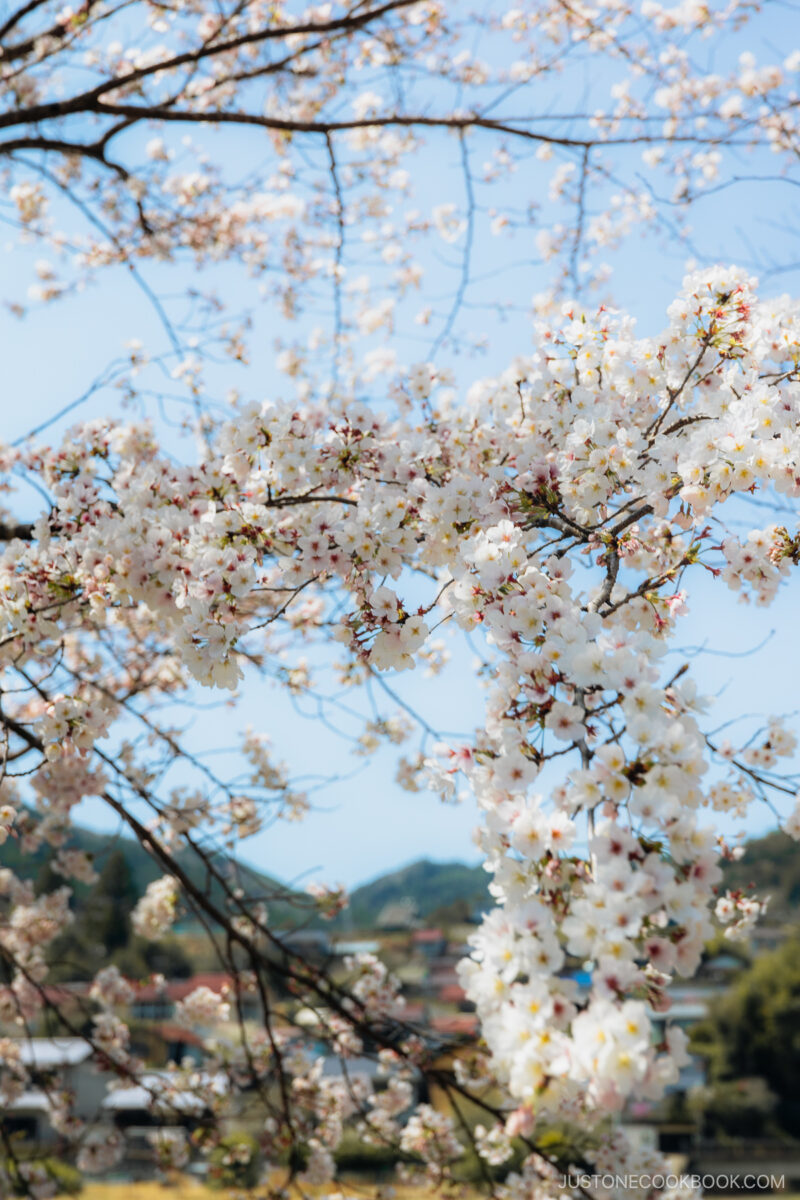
{"points": [[46, 1053], [166, 1090]]}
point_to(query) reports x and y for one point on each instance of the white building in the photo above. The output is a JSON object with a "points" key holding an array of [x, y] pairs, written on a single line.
{"points": [[56, 1064]]}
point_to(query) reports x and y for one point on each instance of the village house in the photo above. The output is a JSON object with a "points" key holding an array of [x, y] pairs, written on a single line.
{"points": [[55, 1065]]}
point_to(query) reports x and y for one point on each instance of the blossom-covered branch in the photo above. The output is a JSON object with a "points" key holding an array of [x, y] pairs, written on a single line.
{"points": [[311, 524]]}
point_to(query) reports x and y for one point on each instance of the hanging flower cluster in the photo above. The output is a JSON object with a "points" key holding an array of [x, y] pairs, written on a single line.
{"points": [[560, 512]]}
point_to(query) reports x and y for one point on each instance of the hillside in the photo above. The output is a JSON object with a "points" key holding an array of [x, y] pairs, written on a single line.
{"points": [[431, 885], [770, 867], [99, 846]]}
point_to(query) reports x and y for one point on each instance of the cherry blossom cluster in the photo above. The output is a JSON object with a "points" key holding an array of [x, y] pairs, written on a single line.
{"points": [[333, 207], [559, 513], [156, 911]]}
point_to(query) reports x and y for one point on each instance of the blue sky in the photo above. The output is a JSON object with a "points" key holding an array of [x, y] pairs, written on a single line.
{"points": [[364, 824], [748, 658]]}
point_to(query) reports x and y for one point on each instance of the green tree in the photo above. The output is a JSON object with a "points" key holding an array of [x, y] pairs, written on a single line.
{"points": [[107, 920], [102, 927], [732, 1109], [236, 1163], [754, 1031], [47, 879]]}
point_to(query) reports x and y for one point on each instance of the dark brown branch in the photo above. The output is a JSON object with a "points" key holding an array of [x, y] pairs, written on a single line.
{"points": [[85, 101], [24, 531]]}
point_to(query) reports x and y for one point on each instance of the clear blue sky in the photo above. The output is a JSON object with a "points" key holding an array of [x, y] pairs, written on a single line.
{"points": [[364, 825]]}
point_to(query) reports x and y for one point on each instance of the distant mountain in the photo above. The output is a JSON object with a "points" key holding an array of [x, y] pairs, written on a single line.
{"points": [[431, 885], [145, 869], [770, 867], [770, 863]]}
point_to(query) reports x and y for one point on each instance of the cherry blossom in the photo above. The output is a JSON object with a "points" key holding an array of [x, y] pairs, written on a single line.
{"points": [[558, 513]]}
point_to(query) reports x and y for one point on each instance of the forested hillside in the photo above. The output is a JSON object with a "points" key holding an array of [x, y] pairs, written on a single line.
{"points": [[439, 890]]}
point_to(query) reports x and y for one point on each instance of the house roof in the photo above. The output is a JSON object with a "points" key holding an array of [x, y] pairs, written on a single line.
{"points": [[178, 989], [398, 914], [31, 1101], [415, 1012], [358, 1065], [684, 1012], [171, 1032], [725, 962], [357, 947], [165, 1090], [44, 1053], [313, 938], [461, 1024], [62, 993], [451, 993]]}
